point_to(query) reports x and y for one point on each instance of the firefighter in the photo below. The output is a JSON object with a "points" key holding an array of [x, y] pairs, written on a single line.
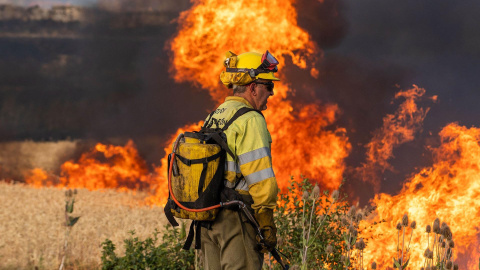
{"points": [[230, 242]]}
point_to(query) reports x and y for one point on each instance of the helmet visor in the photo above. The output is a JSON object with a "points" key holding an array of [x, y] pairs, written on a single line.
{"points": [[269, 61]]}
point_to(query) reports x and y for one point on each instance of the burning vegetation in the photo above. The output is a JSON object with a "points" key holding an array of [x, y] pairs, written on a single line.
{"points": [[305, 135]]}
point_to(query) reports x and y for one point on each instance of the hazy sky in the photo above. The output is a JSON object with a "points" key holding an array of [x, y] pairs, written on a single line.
{"points": [[46, 3]]}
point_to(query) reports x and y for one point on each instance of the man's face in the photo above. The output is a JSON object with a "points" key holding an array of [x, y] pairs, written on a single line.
{"points": [[264, 89]]}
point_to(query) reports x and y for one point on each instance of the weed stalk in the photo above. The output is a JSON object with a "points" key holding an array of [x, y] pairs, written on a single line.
{"points": [[70, 221]]}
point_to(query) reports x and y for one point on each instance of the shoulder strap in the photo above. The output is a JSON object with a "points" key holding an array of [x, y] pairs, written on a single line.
{"points": [[207, 123], [216, 135], [239, 113]]}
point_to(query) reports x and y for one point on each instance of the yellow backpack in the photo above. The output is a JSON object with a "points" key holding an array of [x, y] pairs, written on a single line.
{"points": [[196, 174]]}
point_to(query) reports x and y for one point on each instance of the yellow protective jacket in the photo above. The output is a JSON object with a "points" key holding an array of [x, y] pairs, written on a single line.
{"points": [[249, 139]]}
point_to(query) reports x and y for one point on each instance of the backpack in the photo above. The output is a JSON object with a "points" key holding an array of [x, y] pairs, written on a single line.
{"points": [[196, 175]]}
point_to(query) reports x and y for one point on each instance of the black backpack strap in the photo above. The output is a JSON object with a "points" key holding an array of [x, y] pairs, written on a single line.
{"points": [[189, 162], [203, 161], [222, 143], [168, 213], [194, 230], [216, 136], [207, 123]]}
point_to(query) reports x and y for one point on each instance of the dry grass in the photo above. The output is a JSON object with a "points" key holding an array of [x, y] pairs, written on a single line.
{"points": [[32, 231]]}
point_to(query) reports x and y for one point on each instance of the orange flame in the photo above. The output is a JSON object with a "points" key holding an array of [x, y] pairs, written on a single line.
{"points": [[449, 189], [212, 27], [123, 168], [38, 178], [397, 129], [301, 144], [301, 141], [105, 166]]}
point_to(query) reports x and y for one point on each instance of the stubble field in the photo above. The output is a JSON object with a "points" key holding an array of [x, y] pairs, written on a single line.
{"points": [[32, 230]]}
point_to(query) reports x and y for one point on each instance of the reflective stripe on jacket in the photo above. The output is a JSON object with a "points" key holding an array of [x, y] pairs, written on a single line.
{"points": [[248, 138]]}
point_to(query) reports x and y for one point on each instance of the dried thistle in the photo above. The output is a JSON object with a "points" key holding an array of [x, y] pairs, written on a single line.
{"points": [[360, 245], [353, 231], [305, 195], [413, 225], [436, 226], [344, 221], [451, 244], [448, 233], [352, 211], [430, 255], [443, 244], [443, 228], [426, 253], [449, 265], [428, 229], [399, 226], [335, 195], [315, 193], [455, 267], [359, 216], [405, 220], [374, 265]]}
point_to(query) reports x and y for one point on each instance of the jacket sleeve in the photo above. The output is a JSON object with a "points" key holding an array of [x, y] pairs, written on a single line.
{"points": [[255, 161]]}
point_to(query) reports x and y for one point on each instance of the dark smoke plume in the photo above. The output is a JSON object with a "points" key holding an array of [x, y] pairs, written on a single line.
{"points": [[95, 75], [100, 72]]}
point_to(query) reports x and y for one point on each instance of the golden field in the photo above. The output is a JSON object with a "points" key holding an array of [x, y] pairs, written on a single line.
{"points": [[32, 231]]}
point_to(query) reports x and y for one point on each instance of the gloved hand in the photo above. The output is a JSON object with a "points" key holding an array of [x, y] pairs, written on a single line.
{"points": [[268, 229]]}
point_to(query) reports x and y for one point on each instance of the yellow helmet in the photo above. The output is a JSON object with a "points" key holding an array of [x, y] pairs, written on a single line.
{"points": [[247, 67]]}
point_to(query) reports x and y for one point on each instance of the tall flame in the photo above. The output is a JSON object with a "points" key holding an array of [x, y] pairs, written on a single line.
{"points": [[301, 143], [212, 27], [303, 140], [449, 189]]}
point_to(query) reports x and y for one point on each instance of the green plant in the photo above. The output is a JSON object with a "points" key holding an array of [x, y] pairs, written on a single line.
{"points": [[317, 231], [70, 221], [149, 254]]}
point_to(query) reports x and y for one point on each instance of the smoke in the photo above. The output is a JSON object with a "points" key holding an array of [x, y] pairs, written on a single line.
{"points": [[142, 5], [104, 76], [324, 20], [105, 80], [373, 49], [17, 158]]}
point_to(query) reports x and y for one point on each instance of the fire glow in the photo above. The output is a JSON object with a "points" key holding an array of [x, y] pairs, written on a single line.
{"points": [[303, 139]]}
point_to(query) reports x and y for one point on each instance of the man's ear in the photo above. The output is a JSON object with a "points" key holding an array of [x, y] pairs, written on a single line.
{"points": [[253, 89]]}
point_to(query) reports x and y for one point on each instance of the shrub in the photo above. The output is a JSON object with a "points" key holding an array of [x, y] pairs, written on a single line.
{"points": [[148, 254], [317, 230]]}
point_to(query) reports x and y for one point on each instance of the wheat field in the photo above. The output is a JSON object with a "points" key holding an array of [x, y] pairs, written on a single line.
{"points": [[32, 231]]}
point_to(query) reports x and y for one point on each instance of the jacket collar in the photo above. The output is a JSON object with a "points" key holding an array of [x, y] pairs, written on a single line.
{"points": [[239, 99]]}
